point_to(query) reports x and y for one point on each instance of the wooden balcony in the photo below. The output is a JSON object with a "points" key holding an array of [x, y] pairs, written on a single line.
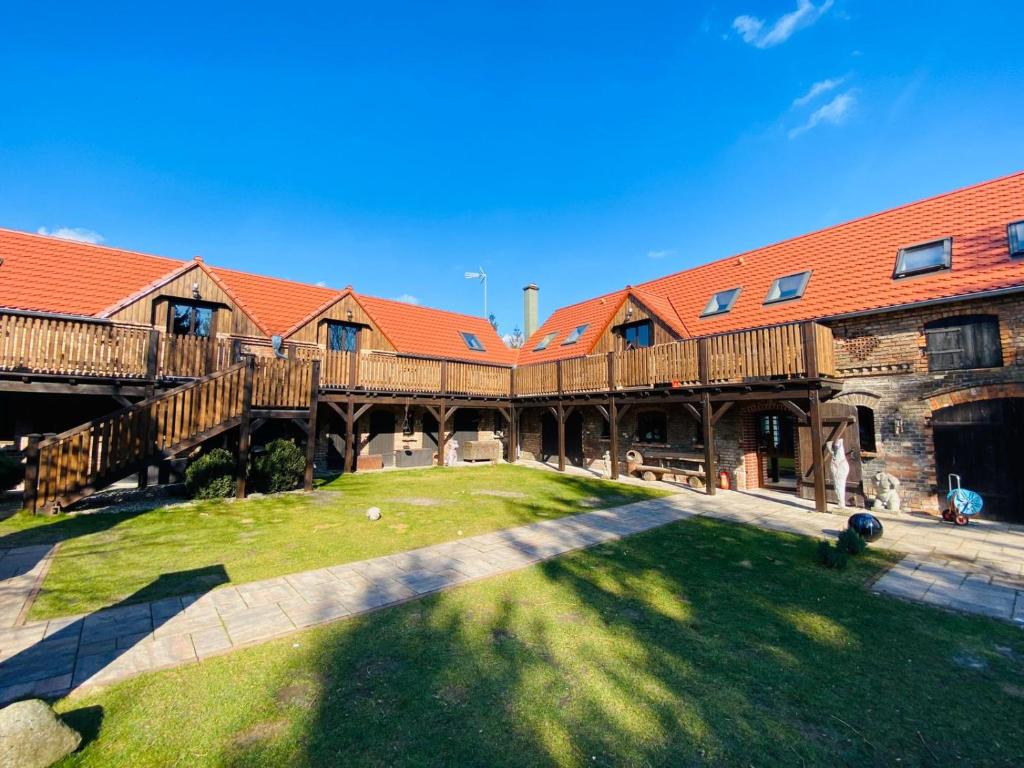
{"points": [[33, 346]]}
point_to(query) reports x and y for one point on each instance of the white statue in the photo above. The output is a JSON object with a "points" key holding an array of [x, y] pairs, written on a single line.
{"points": [[451, 453], [840, 470], [887, 497]]}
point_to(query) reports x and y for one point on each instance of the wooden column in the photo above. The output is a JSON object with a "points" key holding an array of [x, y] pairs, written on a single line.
{"points": [[817, 449], [513, 437], [153, 354], [442, 428], [349, 464], [561, 432], [314, 403], [613, 437], [31, 494], [810, 341], [244, 428], [708, 431]]}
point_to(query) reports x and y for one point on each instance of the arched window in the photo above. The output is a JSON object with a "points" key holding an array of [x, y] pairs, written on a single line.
{"points": [[651, 427], [866, 427], [965, 341]]}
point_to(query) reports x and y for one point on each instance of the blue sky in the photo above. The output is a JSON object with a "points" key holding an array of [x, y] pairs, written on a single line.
{"points": [[583, 146]]}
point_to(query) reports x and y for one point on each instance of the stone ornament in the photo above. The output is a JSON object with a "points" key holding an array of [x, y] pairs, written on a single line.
{"points": [[840, 470], [373, 513], [31, 736], [887, 497]]}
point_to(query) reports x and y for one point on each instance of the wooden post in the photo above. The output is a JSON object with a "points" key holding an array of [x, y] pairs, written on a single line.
{"points": [[442, 428], [613, 436], [353, 367], [443, 385], [611, 371], [818, 465], [558, 376], [708, 430], [244, 435], [704, 360], [152, 354], [236, 350], [31, 493], [513, 435], [561, 428], [349, 464], [314, 402], [810, 340]]}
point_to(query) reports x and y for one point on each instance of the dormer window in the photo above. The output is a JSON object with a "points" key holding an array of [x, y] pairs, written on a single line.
{"points": [[721, 302], [578, 331], [924, 258], [472, 341], [342, 337], [548, 338], [787, 288], [1015, 234], [188, 318]]}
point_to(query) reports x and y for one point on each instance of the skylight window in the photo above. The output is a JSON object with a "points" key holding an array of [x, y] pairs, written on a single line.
{"points": [[548, 338], [1015, 233], [721, 302], [578, 331], [472, 341], [788, 287], [927, 257]]}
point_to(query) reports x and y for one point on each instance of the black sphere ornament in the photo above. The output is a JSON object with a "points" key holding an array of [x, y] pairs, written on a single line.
{"points": [[868, 526]]}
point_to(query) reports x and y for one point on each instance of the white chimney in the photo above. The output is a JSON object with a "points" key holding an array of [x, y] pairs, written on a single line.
{"points": [[530, 309]]}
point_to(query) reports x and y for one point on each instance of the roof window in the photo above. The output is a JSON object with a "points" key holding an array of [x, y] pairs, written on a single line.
{"points": [[548, 338], [578, 331], [721, 302], [1015, 234], [472, 341], [927, 257], [788, 287]]}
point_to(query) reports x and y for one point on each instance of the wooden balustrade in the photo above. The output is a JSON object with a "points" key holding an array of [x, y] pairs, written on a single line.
{"points": [[73, 463], [395, 373], [189, 357], [537, 379], [72, 348], [762, 353], [281, 383], [477, 379]]}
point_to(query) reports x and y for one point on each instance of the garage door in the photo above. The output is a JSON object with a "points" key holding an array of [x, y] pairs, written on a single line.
{"points": [[981, 442]]}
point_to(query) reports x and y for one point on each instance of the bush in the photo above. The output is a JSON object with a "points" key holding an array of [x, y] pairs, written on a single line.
{"points": [[11, 472], [832, 557], [211, 476], [852, 542], [279, 468]]}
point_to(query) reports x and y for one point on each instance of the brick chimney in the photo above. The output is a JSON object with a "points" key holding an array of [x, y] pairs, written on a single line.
{"points": [[530, 309]]}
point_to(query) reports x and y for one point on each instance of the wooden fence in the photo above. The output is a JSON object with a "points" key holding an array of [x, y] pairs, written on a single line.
{"points": [[70, 347], [281, 383], [189, 357]]}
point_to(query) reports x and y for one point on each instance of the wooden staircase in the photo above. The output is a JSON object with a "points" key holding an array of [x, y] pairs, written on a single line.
{"points": [[66, 468]]}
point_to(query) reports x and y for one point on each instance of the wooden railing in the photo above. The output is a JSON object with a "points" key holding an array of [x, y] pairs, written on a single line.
{"points": [[74, 463], [70, 347], [282, 383], [189, 357]]}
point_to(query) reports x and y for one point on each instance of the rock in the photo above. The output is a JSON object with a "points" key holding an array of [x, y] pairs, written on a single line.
{"points": [[31, 736], [373, 513]]}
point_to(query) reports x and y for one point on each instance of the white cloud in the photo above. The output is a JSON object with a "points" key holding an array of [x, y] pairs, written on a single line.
{"points": [[320, 283], [659, 254], [754, 31], [78, 234], [407, 298], [822, 86], [835, 113]]}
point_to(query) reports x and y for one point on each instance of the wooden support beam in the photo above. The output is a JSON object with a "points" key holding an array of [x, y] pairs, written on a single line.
{"points": [[335, 407], [817, 454], [692, 410], [302, 424], [255, 425], [67, 388], [624, 409], [361, 411], [838, 430], [123, 401], [604, 412], [31, 495], [152, 353], [442, 433], [612, 414], [560, 416], [244, 427], [708, 431], [796, 410], [314, 406], [720, 412]]}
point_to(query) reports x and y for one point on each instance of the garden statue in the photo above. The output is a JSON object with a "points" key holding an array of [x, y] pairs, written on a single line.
{"points": [[840, 470], [451, 453], [607, 464], [887, 496]]}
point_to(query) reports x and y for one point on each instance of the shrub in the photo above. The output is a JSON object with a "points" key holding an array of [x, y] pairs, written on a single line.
{"points": [[211, 476], [852, 542], [832, 557], [11, 472], [279, 468]]}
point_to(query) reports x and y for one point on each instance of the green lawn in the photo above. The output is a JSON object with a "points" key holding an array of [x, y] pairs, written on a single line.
{"points": [[106, 558], [701, 643]]}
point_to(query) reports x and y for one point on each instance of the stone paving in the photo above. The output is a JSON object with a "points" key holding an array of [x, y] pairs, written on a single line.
{"points": [[978, 569]]}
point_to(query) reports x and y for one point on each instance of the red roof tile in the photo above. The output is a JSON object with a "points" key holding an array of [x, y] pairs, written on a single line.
{"points": [[851, 264]]}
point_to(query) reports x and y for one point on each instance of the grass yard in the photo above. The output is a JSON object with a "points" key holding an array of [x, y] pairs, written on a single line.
{"points": [[106, 558], [702, 643]]}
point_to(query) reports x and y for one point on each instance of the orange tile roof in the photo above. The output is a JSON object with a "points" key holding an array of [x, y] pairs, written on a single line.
{"points": [[851, 268], [595, 313], [47, 274]]}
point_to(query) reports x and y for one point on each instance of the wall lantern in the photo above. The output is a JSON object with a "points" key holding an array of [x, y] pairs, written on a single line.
{"points": [[195, 291]]}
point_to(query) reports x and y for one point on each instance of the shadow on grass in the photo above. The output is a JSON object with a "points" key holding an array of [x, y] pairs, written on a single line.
{"points": [[700, 643]]}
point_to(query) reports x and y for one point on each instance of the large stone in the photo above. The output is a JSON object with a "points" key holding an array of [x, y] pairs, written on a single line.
{"points": [[31, 736]]}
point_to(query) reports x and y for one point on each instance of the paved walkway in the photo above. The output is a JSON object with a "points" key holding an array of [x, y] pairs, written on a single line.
{"points": [[980, 569]]}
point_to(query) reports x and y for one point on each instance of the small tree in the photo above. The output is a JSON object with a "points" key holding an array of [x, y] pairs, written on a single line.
{"points": [[493, 321], [515, 339]]}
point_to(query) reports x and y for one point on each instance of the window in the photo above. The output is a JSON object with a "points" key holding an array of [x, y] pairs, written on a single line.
{"points": [[548, 338], [637, 334], [928, 257], [472, 341], [578, 331], [1015, 234], [721, 302], [968, 341], [651, 427], [866, 428], [788, 287], [342, 337], [190, 319]]}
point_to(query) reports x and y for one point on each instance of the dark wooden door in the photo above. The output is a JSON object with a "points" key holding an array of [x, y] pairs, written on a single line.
{"points": [[981, 442], [548, 436], [776, 453], [838, 420]]}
